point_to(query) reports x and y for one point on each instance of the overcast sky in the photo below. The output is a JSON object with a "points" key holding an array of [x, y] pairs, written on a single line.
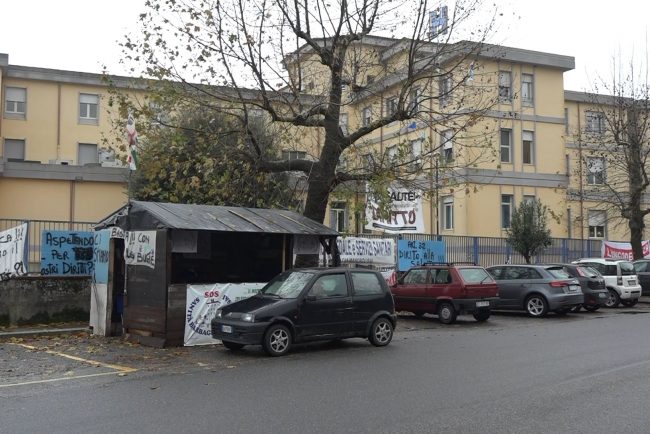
{"points": [[81, 35]]}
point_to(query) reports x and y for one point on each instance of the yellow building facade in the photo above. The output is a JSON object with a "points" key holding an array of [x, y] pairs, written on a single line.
{"points": [[58, 144]]}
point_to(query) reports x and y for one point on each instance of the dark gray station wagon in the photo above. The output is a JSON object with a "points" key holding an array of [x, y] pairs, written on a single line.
{"points": [[310, 304]]}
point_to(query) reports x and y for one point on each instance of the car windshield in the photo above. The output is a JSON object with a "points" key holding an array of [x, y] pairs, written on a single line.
{"points": [[559, 273], [640, 266], [627, 268], [475, 275], [288, 284]]}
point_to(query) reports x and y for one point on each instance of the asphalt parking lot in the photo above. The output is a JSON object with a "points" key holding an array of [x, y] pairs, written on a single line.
{"points": [[77, 356]]}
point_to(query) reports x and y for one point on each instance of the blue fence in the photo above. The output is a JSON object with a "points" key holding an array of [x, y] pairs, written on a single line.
{"points": [[484, 251], [487, 251]]}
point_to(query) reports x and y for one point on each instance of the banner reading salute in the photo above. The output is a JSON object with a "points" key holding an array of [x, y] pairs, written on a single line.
{"points": [[405, 215]]}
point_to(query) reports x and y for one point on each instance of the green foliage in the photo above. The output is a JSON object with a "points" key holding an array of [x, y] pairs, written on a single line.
{"points": [[528, 233], [197, 158]]}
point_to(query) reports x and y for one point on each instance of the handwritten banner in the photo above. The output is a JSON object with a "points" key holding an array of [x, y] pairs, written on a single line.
{"points": [[66, 253], [405, 215], [12, 252], [355, 250], [140, 248], [412, 253], [101, 255]]}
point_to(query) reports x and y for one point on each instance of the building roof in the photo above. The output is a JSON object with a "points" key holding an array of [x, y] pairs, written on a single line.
{"points": [[159, 215]]}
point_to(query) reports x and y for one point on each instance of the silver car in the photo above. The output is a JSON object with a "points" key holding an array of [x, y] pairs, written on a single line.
{"points": [[536, 289]]}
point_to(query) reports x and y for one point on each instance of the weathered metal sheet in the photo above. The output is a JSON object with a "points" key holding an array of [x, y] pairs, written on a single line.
{"points": [[157, 215]]}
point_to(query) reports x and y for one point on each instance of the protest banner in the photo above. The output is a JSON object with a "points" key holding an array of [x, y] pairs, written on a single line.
{"points": [[614, 250], [140, 248], [13, 261], [203, 301], [405, 215], [67, 253], [414, 252]]}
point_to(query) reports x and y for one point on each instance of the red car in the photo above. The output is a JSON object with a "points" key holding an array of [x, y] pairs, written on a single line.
{"points": [[446, 290]]}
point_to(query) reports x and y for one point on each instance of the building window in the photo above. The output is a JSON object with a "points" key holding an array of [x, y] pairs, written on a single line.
{"points": [[338, 216], [566, 120], [87, 154], [391, 106], [529, 199], [416, 151], [447, 145], [293, 155], [415, 99], [506, 146], [391, 152], [506, 210], [445, 90], [368, 161], [448, 212], [595, 122], [343, 123], [527, 89], [597, 220], [14, 150], [15, 102], [88, 108], [366, 116], [528, 147], [595, 170], [505, 86]]}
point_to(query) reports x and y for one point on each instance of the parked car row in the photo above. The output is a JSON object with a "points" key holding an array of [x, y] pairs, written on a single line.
{"points": [[536, 289], [312, 304]]}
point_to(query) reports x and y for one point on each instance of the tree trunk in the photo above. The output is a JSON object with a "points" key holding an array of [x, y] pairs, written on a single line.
{"points": [[636, 226]]}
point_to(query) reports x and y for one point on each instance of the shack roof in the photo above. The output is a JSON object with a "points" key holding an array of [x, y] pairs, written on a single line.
{"points": [[158, 215]]}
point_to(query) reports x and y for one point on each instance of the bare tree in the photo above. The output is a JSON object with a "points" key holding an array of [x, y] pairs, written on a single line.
{"points": [[616, 146], [311, 66]]}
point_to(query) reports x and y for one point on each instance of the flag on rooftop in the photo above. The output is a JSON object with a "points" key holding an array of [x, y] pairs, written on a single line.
{"points": [[132, 137]]}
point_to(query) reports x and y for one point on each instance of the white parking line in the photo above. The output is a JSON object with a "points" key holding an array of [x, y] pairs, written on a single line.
{"points": [[118, 369]]}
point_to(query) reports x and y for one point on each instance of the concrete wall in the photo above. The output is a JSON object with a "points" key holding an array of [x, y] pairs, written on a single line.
{"points": [[34, 300]]}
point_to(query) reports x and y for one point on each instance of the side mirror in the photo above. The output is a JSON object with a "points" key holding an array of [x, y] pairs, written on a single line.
{"points": [[310, 297]]}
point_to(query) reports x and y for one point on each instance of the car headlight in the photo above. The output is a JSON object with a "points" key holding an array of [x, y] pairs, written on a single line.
{"points": [[218, 314], [248, 317]]}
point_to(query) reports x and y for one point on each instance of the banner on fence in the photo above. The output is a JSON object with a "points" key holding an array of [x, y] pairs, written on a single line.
{"points": [[414, 252], [613, 250], [140, 248], [101, 255], [405, 215], [374, 251], [67, 253], [13, 248], [202, 304]]}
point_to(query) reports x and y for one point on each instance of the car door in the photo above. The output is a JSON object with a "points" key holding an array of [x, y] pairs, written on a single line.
{"points": [[506, 290], [411, 293], [368, 297], [643, 272], [441, 281], [326, 310], [511, 287]]}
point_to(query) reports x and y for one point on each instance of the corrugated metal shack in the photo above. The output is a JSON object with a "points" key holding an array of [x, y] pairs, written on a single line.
{"points": [[202, 244]]}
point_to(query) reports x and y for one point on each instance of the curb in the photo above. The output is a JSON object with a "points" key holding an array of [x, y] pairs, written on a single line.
{"points": [[28, 333]]}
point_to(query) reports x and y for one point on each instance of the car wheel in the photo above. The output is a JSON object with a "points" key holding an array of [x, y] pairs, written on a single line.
{"points": [[277, 340], [629, 303], [381, 332], [536, 306], [446, 313], [592, 308], [232, 345], [613, 300], [481, 315]]}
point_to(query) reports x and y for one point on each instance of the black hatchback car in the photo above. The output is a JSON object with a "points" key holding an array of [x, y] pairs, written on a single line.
{"points": [[592, 284], [310, 304]]}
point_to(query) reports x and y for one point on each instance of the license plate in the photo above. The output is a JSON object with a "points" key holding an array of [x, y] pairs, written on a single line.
{"points": [[631, 282], [601, 295], [482, 303], [574, 288], [226, 329]]}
